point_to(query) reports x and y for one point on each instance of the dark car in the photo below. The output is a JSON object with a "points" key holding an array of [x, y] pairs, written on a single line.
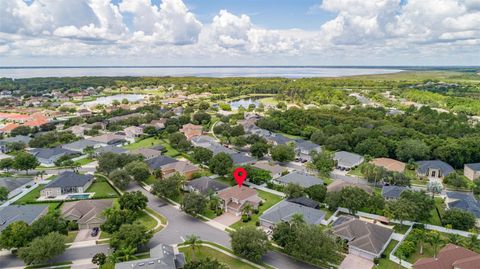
{"points": [[95, 231]]}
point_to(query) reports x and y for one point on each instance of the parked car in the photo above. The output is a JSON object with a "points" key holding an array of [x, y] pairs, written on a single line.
{"points": [[95, 231]]}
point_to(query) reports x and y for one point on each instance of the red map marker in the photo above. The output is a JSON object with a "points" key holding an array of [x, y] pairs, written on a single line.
{"points": [[240, 174]]}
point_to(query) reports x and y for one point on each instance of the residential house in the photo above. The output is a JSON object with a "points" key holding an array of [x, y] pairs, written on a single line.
{"points": [[159, 124], [112, 149], [191, 130], [161, 257], [84, 112], [392, 192], [365, 239], [464, 201], [86, 213], [274, 169], [81, 145], [304, 148], [338, 185], [235, 198], [202, 141], [434, 169], [48, 156], [15, 185], [110, 139], [124, 117], [301, 178], [159, 162], [204, 185], [285, 210], [78, 130], [65, 183], [305, 202], [450, 257], [15, 139], [146, 153], [239, 158], [389, 164], [170, 166], [25, 213], [347, 160], [472, 170], [133, 132], [278, 139]]}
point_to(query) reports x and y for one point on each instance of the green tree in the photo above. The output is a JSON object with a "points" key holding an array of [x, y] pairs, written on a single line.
{"points": [[16, 235], [323, 162], [25, 161], [116, 218], [257, 176], [108, 162], [203, 105], [283, 153], [434, 239], [42, 249], [21, 130], [456, 180], [293, 190], [412, 149], [259, 149], [206, 263], [400, 209], [130, 236], [372, 147], [169, 187], [317, 192], [193, 241], [202, 155], [134, 201], [120, 178], [459, 219], [138, 170], [353, 198], [202, 118], [194, 204], [7, 164], [99, 259], [221, 164], [249, 243], [48, 224], [3, 193]]}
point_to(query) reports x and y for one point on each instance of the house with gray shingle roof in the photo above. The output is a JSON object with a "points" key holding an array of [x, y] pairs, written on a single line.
{"points": [[67, 182], [285, 210], [25, 213], [392, 192], [304, 148], [305, 202], [81, 145], [14, 185], [204, 185], [87, 213], [15, 139], [434, 169], [464, 201], [241, 159], [296, 177], [112, 149], [161, 257], [472, 170], [365, 239], [48, 156], [159, 162], [347, 160]]}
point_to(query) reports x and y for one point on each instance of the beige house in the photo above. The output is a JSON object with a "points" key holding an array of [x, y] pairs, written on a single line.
{"points": [[87, 213], [389, 164], [191, 130], [472, 170], [274, 169], [235, 198], [65, 183]]}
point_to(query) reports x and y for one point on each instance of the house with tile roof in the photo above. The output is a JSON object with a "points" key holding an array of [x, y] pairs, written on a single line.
{"points": [[191, 130], [235, 198], [450, 257], [364, 239], [338, 185], [86, 213], [146, 153]]}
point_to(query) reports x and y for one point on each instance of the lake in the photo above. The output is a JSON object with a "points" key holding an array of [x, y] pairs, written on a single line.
{"points": [[108, 100], [221, 71], [244, 102]]}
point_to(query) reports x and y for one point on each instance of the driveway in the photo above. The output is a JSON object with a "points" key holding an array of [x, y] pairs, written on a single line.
{"points": [[357, 262], [227, 219], [85, 235]]}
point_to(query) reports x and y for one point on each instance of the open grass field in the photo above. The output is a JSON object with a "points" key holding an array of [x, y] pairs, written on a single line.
{"points": [[153, 141], [202, 252], [102, 189]]}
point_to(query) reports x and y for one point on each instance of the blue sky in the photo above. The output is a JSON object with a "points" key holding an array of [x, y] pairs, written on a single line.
{"points": [[240, 32]]}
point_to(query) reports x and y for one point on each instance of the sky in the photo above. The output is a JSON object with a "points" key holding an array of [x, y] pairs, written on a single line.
{"points": [[239, 32]]}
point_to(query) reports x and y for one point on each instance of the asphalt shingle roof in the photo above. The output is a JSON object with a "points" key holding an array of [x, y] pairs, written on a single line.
{"points": [[464, 201], [473, 166], [25, 213], [285, 210], [423, 166], [47, 153], [347, 159], [11, 183], [158, 162], [69, 179], [206, 184], [392, 192], [300, 178]]}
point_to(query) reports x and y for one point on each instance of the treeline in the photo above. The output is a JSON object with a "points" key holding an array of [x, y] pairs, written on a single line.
{"points": [[416, 135]]}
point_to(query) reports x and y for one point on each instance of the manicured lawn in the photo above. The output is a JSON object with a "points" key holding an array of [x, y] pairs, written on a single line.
{"points": [[355, 172], [147, 221], [32, 196], [401, 229], [84, 161], [144, 143], [202, 252], [71, 236], [385, 263], [102, 189], [151, 180], [434, 217], [268, 201]]}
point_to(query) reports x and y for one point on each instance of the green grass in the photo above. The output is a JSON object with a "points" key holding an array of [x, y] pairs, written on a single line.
{"points": [[355, 172], [144, 143], [153, 212], [102, 190], [71, 236], [385, 263], [150, 180], [32, 196], [202, 252], [49, 264], [400, 228], [146, 220], [434, 217], [268, 201], [268, 101], [84, 161]]}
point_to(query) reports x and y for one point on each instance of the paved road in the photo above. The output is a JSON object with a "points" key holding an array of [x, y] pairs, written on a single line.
{"points": [[180, 225]]}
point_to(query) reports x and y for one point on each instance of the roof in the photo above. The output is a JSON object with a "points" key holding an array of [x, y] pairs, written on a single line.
{"points": [[423, 167], [158, 162], [69, 179], [393, 192], [450, 256], [235, 192], [25, 213], [285, 210], [279, 139], [161, 257], [206, 184], [464, 201], [147, 153], [182, 166], [11, 183], [389, 164], [80, 145], [19, 138], [473, 166], [363, 235], [108, 138], [305, 202], [273, 169], [112, 149], [217, 148], [203, 139], [338, 185], [84, 211], [47, 153], [303, 179], [347, 159], [241, 158], [306, 145], [190, 126]]}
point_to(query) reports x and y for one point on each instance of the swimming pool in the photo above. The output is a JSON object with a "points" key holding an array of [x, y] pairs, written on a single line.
{"points": [[79, 196]]}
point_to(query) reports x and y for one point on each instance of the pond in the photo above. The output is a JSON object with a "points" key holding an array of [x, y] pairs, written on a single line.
{"points": [[108, 100], [244, 102]]}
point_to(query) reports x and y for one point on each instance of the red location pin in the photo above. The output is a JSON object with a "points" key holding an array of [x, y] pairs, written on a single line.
{"points": [[240, 174]]}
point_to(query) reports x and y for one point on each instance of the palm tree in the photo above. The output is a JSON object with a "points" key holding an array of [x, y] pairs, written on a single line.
{"points": [[193, 241], [434, 240], [247, 210], [473, 241], [127, 254], [421, 239], [297, 219], [454, 239]]}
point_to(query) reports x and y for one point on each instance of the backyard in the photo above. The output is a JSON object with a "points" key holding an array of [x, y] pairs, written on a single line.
{"points": [[32, 196], [202, 252], [386, 263], [102, 189], [153, 141]]}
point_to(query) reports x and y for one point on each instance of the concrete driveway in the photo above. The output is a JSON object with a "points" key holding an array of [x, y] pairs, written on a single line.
{"points": [[357, 262], [84, 235], [227, 219]]}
